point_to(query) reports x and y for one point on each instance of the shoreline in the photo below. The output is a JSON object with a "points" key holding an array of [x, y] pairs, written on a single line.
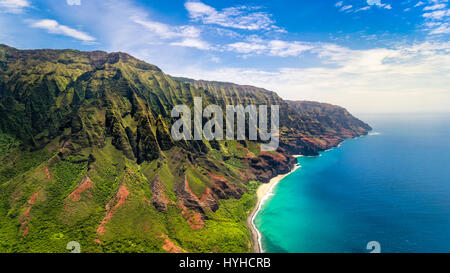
{"points": [[262, 194]]}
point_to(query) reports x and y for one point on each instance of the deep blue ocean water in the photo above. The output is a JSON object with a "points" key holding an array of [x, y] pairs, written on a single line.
{"points": [[392, 186]]}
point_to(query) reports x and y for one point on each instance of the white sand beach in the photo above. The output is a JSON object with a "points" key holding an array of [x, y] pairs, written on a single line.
{"points": [[263, 193]]}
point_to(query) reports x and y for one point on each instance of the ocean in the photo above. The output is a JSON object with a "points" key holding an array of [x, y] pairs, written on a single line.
{"points": [[391, 186]]}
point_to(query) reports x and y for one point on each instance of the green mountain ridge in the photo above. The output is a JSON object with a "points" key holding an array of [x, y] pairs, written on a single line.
{"points": [[86, 155]]}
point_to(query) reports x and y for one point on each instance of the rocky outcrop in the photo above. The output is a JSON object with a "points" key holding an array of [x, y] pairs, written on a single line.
{"points": [[269, 165], [159, 198], [324, 127], [188, 198], [221, 188]]}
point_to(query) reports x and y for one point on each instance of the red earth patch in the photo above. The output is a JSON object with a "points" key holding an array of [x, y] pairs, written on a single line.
{"points": [[120, 198], [84, 186], [276, 156], [170, 246], [25, 217], [194, 219], [47, 173], [34, 197]]}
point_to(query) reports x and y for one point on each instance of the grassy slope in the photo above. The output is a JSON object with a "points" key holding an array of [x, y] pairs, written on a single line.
{"points": [[54, 219]]}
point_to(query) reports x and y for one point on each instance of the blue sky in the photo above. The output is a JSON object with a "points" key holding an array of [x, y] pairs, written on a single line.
{"points": [[366, 55]]}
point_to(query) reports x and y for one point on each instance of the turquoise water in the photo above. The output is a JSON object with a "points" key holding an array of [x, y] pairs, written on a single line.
{"points": [[392, 187]]}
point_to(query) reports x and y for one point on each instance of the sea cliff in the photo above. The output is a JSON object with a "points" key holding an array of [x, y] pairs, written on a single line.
{"points": [[86, 155]]}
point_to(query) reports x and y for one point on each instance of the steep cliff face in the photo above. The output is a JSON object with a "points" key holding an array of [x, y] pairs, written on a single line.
{"points": [[337, 119], [306, 127], [86, 154], [323, 126]]}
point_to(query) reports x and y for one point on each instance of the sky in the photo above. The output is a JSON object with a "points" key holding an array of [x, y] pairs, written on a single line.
{"points": [[370, 56]]}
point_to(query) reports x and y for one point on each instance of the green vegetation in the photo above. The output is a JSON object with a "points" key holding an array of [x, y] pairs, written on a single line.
{"points": [[55, 219], [7, 143]]}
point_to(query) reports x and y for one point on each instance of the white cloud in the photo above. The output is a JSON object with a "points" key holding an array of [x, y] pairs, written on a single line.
{"points": [[241, 17], [363, 9], [339, 4], [14, 6], [189, 35], [443, 28], [344, 8], [54, 27], [437, 15], [195, 43], [420, 3], [435, 7], [405, 78], [378, 4], [226, 32], [285, 49], [437, 27], [166, 31], [215, 59], [279, 48], [248, 48], [370, 3], [73, 2]]}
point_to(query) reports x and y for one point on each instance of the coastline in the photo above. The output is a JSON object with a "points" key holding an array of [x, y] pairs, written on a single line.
{"points": [[262, 193]]}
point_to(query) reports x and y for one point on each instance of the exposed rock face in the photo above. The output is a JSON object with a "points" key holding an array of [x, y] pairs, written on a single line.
{"points": [[170, 246], [330, 116], [306, 127], [221, 188], [85, 187], [159, 198], [188, 198], [269, 165], [326, 126]]}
